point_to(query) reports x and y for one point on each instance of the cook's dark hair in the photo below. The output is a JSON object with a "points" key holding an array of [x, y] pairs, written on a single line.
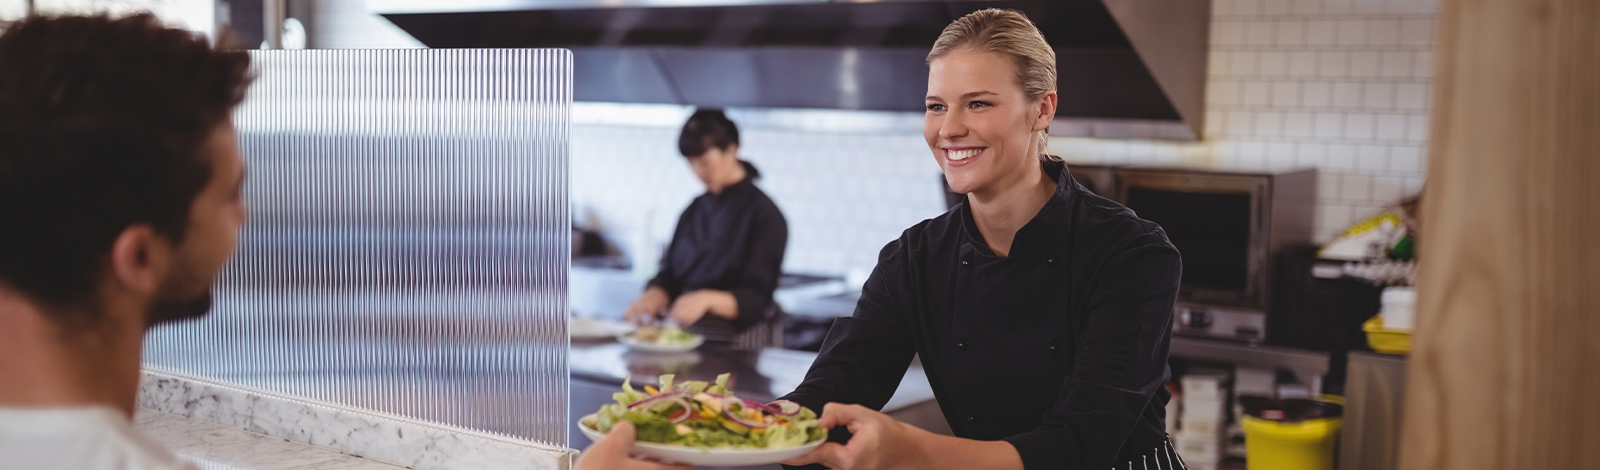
{"points": [[707, 129], [103, 123]]}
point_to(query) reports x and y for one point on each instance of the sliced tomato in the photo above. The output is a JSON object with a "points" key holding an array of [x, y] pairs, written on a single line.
{"points": [[678, 415]]}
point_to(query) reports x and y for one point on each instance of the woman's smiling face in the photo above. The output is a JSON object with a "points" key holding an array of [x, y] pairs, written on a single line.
{"points": [[981, 127]]}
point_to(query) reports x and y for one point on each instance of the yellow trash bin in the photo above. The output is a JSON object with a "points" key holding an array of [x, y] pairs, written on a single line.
{"points": [[1283, 445], [1306, 445]]}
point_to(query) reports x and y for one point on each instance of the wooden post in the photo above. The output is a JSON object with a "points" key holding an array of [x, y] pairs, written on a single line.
{"points": [[1505, 370]]}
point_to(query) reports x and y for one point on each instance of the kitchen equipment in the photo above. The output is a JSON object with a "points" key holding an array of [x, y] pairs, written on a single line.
{"points": [[1127, 69], [1228, 224]]}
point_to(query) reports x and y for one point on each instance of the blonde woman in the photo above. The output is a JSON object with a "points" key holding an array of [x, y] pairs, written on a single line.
{"points": [[1041, 312]]}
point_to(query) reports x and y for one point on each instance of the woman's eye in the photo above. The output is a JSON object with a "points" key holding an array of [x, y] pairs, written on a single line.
{"points": [[979, 104], [935, 107]]}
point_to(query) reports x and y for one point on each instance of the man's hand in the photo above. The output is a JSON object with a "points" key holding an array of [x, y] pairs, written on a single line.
{"points": [[649, 304], [611, 453], [691, 307], [876, 442]]}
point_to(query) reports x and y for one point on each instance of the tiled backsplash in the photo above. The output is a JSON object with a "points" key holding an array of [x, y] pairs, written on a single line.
{"points": [[1340, 85]]}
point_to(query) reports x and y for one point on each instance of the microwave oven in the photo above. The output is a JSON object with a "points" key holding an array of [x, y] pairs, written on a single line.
{"points": [[1228, 226]]}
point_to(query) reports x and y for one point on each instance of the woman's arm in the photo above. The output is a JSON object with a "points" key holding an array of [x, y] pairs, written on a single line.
{"points": [[879, 442], [769, 238], [866, 354], [747, 301]]}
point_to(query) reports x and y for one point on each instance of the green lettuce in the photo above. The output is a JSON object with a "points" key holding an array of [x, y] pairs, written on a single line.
{"points": [[652, 424]]}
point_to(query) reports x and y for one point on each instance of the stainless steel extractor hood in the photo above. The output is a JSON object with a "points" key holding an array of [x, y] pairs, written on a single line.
{"points": [[1128, 68]]}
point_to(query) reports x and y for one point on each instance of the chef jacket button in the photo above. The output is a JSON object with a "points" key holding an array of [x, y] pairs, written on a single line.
{"points": [[1050, 261], [962, 345], [1054, 348], [972, 419], [964, 263]]}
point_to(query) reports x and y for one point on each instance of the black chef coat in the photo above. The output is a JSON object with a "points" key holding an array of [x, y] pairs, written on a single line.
{"points": [[734, 242], [1059, 348]]}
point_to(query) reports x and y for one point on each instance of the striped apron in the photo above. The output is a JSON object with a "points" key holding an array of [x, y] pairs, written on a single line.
{"points": [[1157, 458]]}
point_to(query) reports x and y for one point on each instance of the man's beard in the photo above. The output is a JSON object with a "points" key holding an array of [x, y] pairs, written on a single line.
{"points": [[171, 305]]}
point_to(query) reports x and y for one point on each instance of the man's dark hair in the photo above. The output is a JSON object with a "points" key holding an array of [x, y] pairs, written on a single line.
{"points": [[707, 129], [103, 123]]}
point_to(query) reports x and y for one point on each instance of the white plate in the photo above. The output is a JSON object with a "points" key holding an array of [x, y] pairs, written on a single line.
{"points": [[592, 329], [713, 457], [660, 348]]}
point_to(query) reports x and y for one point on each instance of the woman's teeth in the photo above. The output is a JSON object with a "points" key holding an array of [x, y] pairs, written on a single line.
{"points": [[958, 155]]}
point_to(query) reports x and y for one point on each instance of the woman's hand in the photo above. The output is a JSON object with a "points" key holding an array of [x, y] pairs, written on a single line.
{"points": [[611, 453], [691, 307], [876, 441], [649, 304], [879, 442]]}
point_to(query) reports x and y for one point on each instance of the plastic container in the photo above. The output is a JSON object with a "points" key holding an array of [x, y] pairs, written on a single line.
{"points": [[1201, 425], [1399, 308], [1198, 450], [1204, 386], [1290, 434], [1306, 445], [1385, 340]]}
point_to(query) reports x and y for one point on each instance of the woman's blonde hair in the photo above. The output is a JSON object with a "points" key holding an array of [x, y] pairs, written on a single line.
{"points": [[1011, 34]]}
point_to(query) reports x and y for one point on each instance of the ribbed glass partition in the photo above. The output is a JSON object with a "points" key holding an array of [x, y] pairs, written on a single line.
{"points": [[408, 240]]}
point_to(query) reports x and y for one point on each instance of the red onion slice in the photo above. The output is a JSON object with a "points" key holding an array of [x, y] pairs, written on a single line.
{"points": [[743, 404], [782, 407], [683, 415], [657, 398]]}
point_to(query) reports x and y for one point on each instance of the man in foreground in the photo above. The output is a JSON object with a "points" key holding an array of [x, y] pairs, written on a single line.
{"points": [[120, 201]]}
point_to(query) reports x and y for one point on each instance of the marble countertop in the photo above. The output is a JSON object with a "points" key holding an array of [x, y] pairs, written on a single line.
{"points": [[213, 446]]}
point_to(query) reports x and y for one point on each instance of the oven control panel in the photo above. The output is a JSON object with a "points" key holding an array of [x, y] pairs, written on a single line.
{"points": [[1232, 323]]}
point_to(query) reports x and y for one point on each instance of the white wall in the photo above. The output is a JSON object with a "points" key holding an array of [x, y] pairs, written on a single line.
{"points": [[843, 194], [1340, 85]]}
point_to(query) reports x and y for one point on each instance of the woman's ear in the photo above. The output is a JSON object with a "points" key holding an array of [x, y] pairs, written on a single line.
{"points": [[1047, 111], [139, 259]]}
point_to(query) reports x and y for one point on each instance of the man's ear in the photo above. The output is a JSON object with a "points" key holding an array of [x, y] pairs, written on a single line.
{"points": [[1047, 110], [140, 258]]}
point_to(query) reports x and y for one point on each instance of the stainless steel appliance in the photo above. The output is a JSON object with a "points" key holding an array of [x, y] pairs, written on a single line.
{"points": [[1227, 224], [1128, 69]]}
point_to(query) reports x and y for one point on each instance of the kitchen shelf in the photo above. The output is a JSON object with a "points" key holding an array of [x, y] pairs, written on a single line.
{"points": [[1272, 357]]}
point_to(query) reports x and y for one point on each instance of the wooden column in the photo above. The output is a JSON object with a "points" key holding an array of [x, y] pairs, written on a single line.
{"points": [[1505, 370]]}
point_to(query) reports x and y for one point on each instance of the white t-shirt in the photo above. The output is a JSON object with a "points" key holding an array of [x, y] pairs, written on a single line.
{"points": [[91, 438]]}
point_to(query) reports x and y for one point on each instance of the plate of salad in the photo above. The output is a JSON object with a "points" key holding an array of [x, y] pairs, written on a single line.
{"points": [[668, 338], [700, 423]]}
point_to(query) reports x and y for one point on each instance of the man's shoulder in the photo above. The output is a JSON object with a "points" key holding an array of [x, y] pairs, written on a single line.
{"points": [[76, 438]]}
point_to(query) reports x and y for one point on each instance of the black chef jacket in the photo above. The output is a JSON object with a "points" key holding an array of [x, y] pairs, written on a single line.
{"points": [[731, 242], [1059, 348]]}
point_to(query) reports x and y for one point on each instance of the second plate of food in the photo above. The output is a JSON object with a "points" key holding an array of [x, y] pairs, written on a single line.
{"points": [[661, 339]]}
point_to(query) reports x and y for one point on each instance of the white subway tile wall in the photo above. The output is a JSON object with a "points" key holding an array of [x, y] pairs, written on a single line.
{"points": [[844, 195], [1340, 85]]}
